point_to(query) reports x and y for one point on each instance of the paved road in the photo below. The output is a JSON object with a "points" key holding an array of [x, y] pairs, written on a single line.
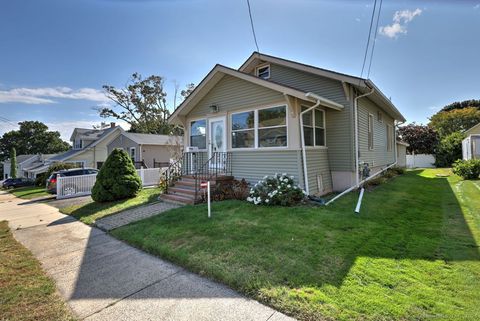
{"points": [[102, 278]]}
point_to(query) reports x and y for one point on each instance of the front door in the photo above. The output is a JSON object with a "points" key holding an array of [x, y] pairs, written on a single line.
{"points": [[218, 142]]}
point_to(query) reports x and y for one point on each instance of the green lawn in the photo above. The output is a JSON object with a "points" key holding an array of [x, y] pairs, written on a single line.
{"points": [[27, 293], [90, 212], [412, 253], [29, 192]]}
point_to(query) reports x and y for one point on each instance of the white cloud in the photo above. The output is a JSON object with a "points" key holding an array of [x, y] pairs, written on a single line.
{"points": [[400, 22], [46, 95], [477, 6]]}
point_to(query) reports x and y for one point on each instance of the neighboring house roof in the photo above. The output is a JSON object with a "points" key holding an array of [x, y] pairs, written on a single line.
{"points": [[213, 77], [72, 152], [88, 133], [217, 73], [150, 139], [22, 158], [474, 130], [403, 143], [361, 84]]}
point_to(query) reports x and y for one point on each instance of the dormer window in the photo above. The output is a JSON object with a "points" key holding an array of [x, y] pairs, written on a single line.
{"points": [[77, 144], [263, 72]]}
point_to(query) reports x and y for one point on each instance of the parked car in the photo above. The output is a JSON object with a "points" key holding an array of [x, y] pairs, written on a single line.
{"points": [[51, 184], [17, 182]]}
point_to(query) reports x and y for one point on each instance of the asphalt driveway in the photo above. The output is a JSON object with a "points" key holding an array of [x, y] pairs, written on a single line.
{"points": [[102, 278]]}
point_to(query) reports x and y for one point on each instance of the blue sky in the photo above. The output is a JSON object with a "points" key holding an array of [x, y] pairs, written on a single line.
{"points": [[56, 55]]}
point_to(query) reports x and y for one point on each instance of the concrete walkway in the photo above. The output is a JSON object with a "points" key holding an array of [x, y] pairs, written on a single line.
{"points": [[132, 215], [102, 278]]}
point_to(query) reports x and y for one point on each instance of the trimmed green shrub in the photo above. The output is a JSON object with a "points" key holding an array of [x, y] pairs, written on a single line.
{"points": [[398, 170], [117, 178], [467, 169], [55, 167], [276, 190]]}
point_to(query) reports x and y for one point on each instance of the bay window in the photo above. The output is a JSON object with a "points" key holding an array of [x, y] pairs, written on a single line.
{"points": [[266, 127], [314, 127], [198, 133]]}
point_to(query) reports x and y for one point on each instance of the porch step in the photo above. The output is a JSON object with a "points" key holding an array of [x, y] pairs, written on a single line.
{"points": [[181, 190], [179, 199]]}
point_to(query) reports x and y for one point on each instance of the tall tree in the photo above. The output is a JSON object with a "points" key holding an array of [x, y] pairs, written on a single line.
{"points": [[462, 104], [422, 139], [33, 137], [142, 103], [455, 120], [13, 163]]}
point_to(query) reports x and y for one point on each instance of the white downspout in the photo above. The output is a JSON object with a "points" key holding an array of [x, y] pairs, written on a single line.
{"points": [[355, 112], [302, 137]]}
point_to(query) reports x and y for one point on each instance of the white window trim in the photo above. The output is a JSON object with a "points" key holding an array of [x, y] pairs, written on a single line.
{"points": [[190, 121], [371, 116], [75, 144], [134, 158], [313, 126], [256, 128], [261, 67]]}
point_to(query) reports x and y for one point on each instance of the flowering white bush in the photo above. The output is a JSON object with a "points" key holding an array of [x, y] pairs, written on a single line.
{"points": [[279, 189]]}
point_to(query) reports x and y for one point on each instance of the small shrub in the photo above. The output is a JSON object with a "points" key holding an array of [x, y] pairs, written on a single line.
{"points": [[467, 169], [390, 173], [375, 181], [117, 178], [240, 189], [398, 170], [276, 190]]}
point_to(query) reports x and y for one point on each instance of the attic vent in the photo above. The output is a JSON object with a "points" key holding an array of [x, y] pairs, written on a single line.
{"points": [[263, 72]]}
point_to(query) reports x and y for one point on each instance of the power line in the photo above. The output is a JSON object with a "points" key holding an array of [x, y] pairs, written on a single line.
{"points": [[6, 120], [251, 23], [375, 39], [368, 39]]}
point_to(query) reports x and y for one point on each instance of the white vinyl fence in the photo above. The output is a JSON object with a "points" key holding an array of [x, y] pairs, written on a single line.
{"points": [[74, 186], [420, 160]]}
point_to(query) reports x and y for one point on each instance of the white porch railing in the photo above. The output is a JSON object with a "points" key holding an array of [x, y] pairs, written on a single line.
{"points": [[74, 186]]}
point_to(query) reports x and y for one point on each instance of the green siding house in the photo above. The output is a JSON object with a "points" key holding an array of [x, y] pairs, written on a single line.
{"points": [[278, 116]]}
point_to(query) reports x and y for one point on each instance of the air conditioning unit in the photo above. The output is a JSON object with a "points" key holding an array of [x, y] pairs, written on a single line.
{"points": [[191, 149]]}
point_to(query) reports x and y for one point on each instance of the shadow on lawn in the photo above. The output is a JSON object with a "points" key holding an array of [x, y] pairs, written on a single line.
{"points": [[414, 218], [426, 224]]}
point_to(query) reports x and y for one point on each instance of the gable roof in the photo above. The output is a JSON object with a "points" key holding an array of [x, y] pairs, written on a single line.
{"points": [[470, 130], [360, 84], [219, 71], [105, 133], [149, 139], [22, 158], [89, 133]]}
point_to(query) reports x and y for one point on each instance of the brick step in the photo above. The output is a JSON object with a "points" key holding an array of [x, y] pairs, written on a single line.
{"points": [[185, 184], [177, 199]]}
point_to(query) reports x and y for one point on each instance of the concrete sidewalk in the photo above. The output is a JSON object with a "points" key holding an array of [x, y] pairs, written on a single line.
{"points": [[102, 278]]}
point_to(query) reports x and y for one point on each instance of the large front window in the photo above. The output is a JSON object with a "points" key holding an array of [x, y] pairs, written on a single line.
{"points": [[314, 127], [198, 133], [260, 128]]}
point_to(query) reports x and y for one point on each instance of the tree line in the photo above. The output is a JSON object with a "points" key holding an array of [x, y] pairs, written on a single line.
{"points": [[444, 133]]}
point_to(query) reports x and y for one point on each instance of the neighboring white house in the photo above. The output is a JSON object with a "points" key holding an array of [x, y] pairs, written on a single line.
{"points": [[28, 165], [471, 144]]}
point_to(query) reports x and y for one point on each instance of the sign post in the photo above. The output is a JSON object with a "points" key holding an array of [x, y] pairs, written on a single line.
{"points": [[207, 186]]}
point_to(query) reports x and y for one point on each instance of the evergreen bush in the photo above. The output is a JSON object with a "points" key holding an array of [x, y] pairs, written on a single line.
{"points": [[117, 179], [467, 169]]}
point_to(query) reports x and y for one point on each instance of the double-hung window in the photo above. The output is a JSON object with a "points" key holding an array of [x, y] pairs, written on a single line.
{"points": [[243, 130], [370, 131], [132, 153], [198, 133], [314, 127], [266, 127]]}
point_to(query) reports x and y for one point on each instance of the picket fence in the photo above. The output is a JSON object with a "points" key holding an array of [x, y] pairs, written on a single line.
{"points": [[75, 186]]}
